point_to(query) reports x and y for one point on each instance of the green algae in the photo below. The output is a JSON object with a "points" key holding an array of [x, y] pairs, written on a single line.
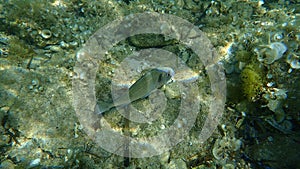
{"points": [[251, 82], [243, 56], [150, 40], [19, 51], [34, 13]]}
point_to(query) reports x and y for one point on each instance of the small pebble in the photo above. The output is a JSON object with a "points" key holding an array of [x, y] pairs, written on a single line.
{"points": [[34, 82], [270, 138], [34, 163]]}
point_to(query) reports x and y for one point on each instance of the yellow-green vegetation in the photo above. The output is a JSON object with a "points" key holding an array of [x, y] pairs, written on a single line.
{"points": [[150, 40], [32, 12], [19, 51], [251, 82], [243, 55], [24, 19]]}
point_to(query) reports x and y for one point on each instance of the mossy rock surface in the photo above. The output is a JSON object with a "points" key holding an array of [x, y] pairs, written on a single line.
{"points": [[150, 40]]}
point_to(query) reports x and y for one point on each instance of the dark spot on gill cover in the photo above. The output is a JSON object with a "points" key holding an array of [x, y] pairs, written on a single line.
{"points": [[159, 78]]}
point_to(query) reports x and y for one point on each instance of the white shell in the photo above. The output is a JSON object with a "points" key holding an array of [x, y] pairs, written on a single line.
{"points": [[279, 47], [46, 34], [271, 53], [294, 61]]}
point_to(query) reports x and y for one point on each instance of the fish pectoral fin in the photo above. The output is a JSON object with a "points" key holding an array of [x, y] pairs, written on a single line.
{"points": [[104, 106], [162, 87]]}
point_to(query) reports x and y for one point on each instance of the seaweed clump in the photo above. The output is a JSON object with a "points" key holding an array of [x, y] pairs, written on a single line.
{"points": [[252, 82]]}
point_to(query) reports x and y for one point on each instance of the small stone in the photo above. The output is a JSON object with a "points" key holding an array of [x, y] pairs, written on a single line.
{"points": [[287, 125], [172, 91], [295, 64], [270, 84], [73, 44], [34, 163], [165, 157], [242, 65], [270, 138], [278, 36], [55, 48], [228, 166], [30, 87], [64, 45], [35, 82], [41, 89], [176, 163], [269, 75]]}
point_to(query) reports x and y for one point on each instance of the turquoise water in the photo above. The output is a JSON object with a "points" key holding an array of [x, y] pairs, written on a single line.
{"points": [[232, 102]]}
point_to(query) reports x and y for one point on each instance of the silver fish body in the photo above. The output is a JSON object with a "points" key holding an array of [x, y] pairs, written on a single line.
{"points": [[143, 87]]}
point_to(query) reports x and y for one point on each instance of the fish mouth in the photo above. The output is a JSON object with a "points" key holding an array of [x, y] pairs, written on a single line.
{"points": [[168, 70]]}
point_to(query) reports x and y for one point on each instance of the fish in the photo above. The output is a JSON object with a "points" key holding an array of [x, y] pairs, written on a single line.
{"points": [[153, 79]]}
